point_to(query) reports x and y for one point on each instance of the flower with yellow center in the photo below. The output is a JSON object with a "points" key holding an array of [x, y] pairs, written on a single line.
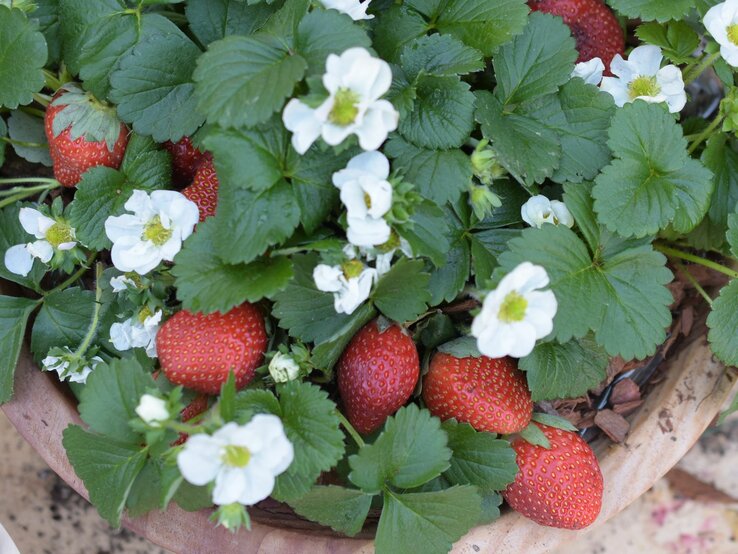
{"points": [[153, 233], [351, 283], [51, 236], [516, 314], [243, 460], [137, 332], [722, 22], [641, 77], [539, 210], [355, 82]]}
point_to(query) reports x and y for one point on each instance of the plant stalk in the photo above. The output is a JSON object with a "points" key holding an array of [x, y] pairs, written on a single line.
{"points": [[674, 253]]}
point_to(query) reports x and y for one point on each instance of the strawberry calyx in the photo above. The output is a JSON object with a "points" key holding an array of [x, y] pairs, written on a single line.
{"points": [[85, 116]]}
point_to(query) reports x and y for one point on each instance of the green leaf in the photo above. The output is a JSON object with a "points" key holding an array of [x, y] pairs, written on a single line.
{"points": [[341, 509], [567, 370], [402, 293], [242, 81], [554, 421], [624, 284], [326, 354], [324, 32], [732, 234], [660, 10], [26, 128], [461, 347], [12, 233], [46, 15], [442, 115], [448, 280], [428, 233], [312, 425], [109, 399], [154, 90], [247, 223], [410, 451], [75, 17], [527, 148], [722, 322], [535, 63], [482, 25], [305, 311], [486, 247], [580, 115], [395, 27], [479, 459], [146, 166], [439, 55], [439, 175], [428, 522], [14, 314], [654, 182], [720, 158], [107, 467], [22, 58], [535, 436], [207, 284], [212, 20], [62, 321], [677, 39], [146, 490], [252, 158]]}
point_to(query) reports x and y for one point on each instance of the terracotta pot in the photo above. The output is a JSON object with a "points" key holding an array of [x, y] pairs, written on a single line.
{"points": [[672, 418]]}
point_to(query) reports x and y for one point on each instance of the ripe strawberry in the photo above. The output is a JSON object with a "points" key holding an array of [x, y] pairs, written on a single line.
{"points": [[593, 25], [82, 133], [489, 394], [198, 351], [560, 487], [197, 406], [377, 373], [204, 189], [185, 160]]}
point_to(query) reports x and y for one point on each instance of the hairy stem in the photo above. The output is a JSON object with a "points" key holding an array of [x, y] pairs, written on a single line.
{"points": [[674, 253], [76, 275], [92, 331], [350, 429], [704, 135], [695, 284]]}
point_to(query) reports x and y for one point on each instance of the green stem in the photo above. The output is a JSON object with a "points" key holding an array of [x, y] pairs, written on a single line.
{"points": [[22, 143], [350, 429], [674, 253], [12, 198], [52, 81], [76, 275], [46, 180], [695, 284], [42, 99], [33, 111], [92, 331], [25, 190], [704, 135], [695, 71]]}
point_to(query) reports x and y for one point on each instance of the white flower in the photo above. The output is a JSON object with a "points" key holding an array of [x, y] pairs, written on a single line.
{"points": [[350, 284], [355, 82], [62, 365], [590, 72], [283, 368], [641, 77], [122, 283], [515, 314], [243, 460], [152, 409], [355, 9], [722, 22], [154, 232], [539, 210], [51, 234], [367, 195], [137, 332]]}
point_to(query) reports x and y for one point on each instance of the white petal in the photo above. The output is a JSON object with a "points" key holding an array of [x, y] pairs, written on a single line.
{"points": [[230, 484], [729, 52], [258, 483], [336, 134], [199, 461], [140, 204], [380, 193], [353, 8], [717, 24], [120, 335], [41, 250], [368, 231], [647, 59], [590, 71], [379, 120], [124, 225], [18, 260], [302, 121], [562, 213], [620, 68], [537, 210], [374, 163], [522, 338], [30, 220], [541, 309], [327, 278], [352, 196], [66, 246], [617, 88], [526, 277]]}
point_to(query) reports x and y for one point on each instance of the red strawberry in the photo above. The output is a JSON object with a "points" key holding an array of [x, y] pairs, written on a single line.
{"points": [[594, 26], [197, 406], [204, 189], [185, 160], [377, 373], [82, 133], [559, 487], [198, 351], [489, 394]]}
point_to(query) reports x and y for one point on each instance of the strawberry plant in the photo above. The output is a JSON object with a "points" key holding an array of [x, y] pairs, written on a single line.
{"points": [[342, 253]]}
